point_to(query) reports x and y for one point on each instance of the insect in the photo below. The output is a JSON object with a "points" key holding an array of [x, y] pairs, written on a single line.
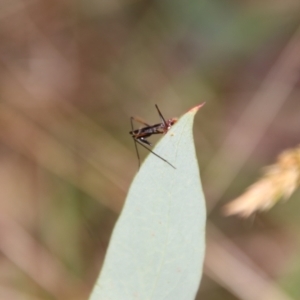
{"points": [[140, 135]]}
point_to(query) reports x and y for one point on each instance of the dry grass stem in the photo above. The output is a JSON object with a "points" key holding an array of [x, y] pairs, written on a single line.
{"points": [[278, 182]]}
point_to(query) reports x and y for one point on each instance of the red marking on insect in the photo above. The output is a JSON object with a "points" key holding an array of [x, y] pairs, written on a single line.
{"points": [[140, 135]]}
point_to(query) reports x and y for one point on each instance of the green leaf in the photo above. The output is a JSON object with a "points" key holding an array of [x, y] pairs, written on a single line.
{"points": [[157, 246]]}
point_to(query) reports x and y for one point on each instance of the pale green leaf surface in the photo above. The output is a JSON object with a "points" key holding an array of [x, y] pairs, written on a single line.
{"points": [[157, 247]]}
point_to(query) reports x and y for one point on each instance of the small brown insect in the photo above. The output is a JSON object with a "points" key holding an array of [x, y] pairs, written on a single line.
{"points": [[140, 135]]}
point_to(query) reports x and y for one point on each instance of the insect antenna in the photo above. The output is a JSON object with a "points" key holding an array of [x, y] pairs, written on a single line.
{"points": [[161, 116]]}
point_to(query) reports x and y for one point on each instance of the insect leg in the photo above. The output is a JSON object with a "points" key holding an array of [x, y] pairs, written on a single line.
{"points": [[136, 148], [139, 120], [137, 141]]}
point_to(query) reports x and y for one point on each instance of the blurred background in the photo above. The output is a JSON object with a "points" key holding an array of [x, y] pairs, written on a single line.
{"points": [[71, 75]]}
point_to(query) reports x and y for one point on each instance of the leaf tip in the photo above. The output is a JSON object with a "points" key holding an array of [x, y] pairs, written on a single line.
{"points": [[196, 108]]}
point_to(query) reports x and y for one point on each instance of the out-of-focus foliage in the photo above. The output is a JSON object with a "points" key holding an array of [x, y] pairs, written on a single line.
{"points": [[279, 182], [73, 72]]}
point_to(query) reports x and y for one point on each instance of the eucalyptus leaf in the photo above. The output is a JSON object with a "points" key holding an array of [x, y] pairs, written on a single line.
{"points": [[157, 246]]}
